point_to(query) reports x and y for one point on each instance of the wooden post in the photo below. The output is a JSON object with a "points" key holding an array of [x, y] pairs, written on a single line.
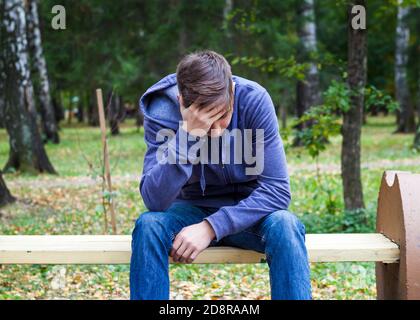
{"points": [[102, 124], [398, 218]]}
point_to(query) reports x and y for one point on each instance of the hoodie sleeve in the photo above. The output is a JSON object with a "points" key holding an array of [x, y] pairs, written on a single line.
{"points": [[170, 176], [273, 190]]}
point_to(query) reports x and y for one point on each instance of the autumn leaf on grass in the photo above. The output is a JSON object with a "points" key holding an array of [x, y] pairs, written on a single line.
{"points": [[215, 285]]}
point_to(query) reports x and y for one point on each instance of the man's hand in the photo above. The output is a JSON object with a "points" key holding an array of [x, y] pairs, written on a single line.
{"points": [[190, 241], [198, 121]]}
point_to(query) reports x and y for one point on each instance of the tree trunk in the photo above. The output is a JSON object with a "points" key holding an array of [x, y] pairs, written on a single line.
{"points": [[283, 115], [183, 40], [27, 151], [417, 138], [80, 112], [352, 120], [5, 196], [179, 7], [227, 9], [405, 116], [307, 90], [122, 111], [114, 113], [43, 89], [58, 109], [80, 108], [93, 116], [1, 109]]}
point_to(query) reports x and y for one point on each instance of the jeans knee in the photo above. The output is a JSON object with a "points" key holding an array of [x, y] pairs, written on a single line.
{"points": [[149, 225], [284, 225]]}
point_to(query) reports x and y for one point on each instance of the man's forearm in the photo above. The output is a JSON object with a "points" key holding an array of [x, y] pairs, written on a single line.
{"points": [[161, 184]]}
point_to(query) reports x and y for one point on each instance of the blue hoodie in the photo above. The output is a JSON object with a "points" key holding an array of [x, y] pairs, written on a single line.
{"points": [[241, 200]]}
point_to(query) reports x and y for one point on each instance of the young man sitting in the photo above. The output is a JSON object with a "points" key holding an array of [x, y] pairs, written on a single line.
{"points": [[214, 174]]}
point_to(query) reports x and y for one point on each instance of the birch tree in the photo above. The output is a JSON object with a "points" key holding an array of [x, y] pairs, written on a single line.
{"points": [[405, 116], [307, 90], [27, 151], [38, 60]]}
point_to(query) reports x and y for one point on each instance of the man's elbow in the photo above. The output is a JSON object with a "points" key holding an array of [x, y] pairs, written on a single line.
{"points": [[283, 198], [153, 203], [288, 199]]}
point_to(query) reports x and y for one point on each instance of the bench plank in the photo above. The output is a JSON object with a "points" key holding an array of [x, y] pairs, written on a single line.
{"points": [[110, 249]]}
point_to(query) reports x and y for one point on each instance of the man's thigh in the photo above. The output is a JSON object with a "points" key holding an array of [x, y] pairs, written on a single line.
{"points": [[254, 238], [250, 239], [174, 218]]}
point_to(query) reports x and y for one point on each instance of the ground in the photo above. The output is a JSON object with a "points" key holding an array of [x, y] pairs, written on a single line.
{"points": [[71, 203]]}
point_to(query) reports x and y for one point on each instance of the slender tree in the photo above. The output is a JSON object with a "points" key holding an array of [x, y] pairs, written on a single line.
{"points": [[93, 116], [1, 110], [115, 112], [5, 196], [353, 118], [307, 90], [43, 89], [183, 37], [227, 9], [405, 116], [27, 151], [80, 112], [417, 138], [1, 70]]}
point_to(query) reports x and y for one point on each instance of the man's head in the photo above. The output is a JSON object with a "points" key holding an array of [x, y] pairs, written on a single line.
{"points": [[205, 78]]}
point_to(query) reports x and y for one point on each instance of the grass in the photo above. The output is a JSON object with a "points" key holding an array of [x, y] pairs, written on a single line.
{"points": [[68, 204]]}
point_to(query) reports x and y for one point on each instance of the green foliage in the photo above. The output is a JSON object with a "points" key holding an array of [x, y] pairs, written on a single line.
{"points": [[357, 221], [286, 67], [323, 125], [377, 98], [127, 46], [323, 121], [337, 97]]}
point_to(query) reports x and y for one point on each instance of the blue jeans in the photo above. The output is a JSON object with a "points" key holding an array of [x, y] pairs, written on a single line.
{"points": [[280, 235]]}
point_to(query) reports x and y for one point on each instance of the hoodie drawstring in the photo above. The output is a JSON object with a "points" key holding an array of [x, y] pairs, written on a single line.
{"points": [[202, 179], [202, 175], [223, 153]]}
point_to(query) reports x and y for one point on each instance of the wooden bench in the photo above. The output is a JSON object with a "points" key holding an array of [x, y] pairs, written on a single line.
{"points": [[395, 247], [100, 249]]}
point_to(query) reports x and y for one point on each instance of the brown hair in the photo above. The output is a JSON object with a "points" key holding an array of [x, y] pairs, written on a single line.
{"points": [[204, 77]]}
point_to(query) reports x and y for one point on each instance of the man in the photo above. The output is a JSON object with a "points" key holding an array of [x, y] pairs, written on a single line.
{"points": [[194, 203]]}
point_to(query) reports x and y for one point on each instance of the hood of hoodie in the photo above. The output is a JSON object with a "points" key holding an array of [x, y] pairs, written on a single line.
{"points": [[160, 104]]}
